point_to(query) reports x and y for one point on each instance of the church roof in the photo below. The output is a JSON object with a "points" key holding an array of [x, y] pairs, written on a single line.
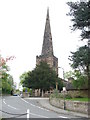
{"points": [[47, 48]]}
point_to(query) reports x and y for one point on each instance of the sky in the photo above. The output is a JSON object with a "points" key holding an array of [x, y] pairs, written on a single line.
{"points": [[22, 24]]}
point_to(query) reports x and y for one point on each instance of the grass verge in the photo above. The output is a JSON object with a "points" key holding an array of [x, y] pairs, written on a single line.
{"points": [[79, 99]]}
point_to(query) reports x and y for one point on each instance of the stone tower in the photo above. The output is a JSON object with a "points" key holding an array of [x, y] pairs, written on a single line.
{"points": [[47, 54]]}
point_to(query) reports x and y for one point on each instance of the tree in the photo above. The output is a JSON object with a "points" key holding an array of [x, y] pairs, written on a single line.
{"points": [[7, 83], [6, 80], [23, 77], [80, 59], [80, 12], [80, 80], [42, 77], [69, 74], [80, 62]]}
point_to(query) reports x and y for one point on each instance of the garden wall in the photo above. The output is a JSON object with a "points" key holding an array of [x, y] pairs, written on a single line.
{"points": [[78, 93], [76, 106]]}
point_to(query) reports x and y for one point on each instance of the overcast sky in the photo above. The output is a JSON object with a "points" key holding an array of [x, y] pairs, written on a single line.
{"points": [[22, 24]]}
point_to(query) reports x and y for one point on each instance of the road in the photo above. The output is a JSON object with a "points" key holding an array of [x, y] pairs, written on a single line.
{"points": [[16, 107]]}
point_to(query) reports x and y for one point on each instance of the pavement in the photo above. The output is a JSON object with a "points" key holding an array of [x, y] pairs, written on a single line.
{"points": [[46, 104]]}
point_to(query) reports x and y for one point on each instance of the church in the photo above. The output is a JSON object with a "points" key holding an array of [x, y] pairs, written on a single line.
{"points": [[47, 54]]}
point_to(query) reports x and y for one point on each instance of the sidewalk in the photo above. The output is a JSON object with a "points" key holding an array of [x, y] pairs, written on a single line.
{"points": [[45, 103]]}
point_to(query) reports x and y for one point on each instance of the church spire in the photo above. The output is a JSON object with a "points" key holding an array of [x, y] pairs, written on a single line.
{"points": [[47, 48]]}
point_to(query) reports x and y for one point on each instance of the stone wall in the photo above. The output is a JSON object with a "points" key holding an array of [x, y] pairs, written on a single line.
{"points": [[76, 106], [78, 93]]}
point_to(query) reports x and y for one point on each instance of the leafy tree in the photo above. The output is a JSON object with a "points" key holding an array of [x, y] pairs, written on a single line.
{"points": [[6, 80], [69, 74], [80, 62], [7, 83], [22, 78], [81, 80], [42, 77], [80, 59], [80, 12], [60, 84]]}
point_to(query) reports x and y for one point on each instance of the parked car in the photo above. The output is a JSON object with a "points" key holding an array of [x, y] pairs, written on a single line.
{"points": [[15, 94]]}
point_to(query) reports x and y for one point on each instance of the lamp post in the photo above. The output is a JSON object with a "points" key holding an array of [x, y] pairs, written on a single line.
{"points": [[64, 89]]}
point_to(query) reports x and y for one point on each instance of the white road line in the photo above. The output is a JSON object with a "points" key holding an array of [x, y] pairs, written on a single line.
{"points": [[62, 117], [28, 102], [12, 107], [25, 101], [8, 105], [4, 102], [38, 115], [34, 105]]}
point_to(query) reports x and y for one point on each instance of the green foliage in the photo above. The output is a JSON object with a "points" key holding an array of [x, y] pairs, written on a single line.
{"points": [[68, 96], [80, 63], [80, 12], [42, 77], [81, 80], [60, 84], [26, 89], [22, 77], [68, 74], [80, 58], [6, 81], [55, 93], [79, 99]]}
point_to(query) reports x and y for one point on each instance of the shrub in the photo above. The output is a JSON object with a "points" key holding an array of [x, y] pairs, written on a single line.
{"points": [[68, 96]]}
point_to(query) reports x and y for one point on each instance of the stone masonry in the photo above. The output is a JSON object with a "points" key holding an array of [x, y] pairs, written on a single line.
{"points": [[76, 106], [47, 47]]}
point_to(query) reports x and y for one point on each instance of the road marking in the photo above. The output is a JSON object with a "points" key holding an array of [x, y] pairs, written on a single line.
{"points": [[8, 105], [34, 105], [25, 101], [11, 107], [62, 117], [38, 115], [4, 101]]}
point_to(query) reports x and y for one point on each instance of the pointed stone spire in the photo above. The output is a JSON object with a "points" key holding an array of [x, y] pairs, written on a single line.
{"points": [[47, 48]]}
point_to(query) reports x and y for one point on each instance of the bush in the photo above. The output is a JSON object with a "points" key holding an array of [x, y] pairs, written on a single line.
{"points": [[56, 94], [68, 96], [78, 96]]}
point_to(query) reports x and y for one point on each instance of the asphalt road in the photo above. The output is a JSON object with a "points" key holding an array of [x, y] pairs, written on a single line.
{"points": [[16, 107]]}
